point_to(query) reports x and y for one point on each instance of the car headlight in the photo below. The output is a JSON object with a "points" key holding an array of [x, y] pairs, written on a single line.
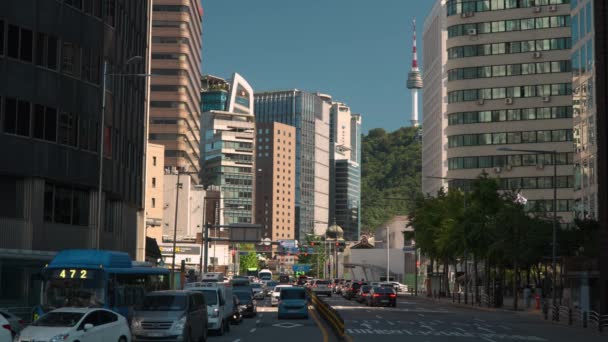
{"points": [[179, 325], [136, 324], [59, 338], [214, 313]]}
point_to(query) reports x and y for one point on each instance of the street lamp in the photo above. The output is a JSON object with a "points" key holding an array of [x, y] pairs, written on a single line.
{"points": [[554, 247], [131, 60]]}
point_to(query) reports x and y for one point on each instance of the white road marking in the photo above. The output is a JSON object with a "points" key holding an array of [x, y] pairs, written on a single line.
{"points": [[487, 339], [505, 327], [258, 321], [460, 329], [378, 316], [486, 330], [421, 315], [390, 323], [478, 320], [237, 340], [252, 330]]}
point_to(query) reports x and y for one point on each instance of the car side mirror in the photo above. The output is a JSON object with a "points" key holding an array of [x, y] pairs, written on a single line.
{"points": [[88, 326]]}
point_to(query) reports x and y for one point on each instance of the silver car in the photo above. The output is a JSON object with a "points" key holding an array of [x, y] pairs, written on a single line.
{"points": [[171, 316], [15, 322], [320, 286]]}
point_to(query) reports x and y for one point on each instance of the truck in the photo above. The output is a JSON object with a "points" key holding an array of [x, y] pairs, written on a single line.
{"points": [[220, 305]]}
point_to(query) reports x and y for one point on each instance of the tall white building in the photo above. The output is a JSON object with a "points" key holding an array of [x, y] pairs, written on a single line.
{"points": [[322, 166], [189, 202], [434, 100]]}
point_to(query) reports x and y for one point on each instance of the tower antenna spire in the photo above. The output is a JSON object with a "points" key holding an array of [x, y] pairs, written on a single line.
{"points": [[414, 78]]}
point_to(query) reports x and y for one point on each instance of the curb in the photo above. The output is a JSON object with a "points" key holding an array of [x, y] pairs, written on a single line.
{"points": [[479, 308]]}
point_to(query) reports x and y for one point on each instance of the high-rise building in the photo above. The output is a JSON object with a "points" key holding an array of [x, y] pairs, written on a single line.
{"points": [[175, 87], [275, 195], [345, 187], [51, 56], [510, 87], [434, 100], [301, 110], [188, 198], [322, 166], [228, 146], [584, 109]]}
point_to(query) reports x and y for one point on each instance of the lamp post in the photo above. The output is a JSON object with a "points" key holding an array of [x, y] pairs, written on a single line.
{"points": [[554, 239], [105, 75]]}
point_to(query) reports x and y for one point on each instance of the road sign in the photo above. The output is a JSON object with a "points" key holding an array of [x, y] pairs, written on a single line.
{"points": [[300, 268]]}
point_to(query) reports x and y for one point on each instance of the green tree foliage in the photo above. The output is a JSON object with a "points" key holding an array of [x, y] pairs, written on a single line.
{"points": [[391, 166], [249, 260]]}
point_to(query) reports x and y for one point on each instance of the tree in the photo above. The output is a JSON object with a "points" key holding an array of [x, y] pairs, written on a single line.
{"points": [[247, 261]]}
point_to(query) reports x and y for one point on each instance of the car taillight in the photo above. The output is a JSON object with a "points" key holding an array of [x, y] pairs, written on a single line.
{"points": [[376, 295], [364, 294], [21, 322], [392, 295], [7, 327]]}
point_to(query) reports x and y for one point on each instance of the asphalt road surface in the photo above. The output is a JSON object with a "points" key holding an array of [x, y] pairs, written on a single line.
{"points": [[266, 327], [416, 319]]}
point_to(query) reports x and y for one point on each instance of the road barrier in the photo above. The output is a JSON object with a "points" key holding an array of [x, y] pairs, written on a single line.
{"points": [[329, 314], [575, 317]]}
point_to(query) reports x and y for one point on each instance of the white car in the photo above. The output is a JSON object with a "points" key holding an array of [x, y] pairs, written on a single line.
{"points": [[15, 322], [276, 294], [6, 333], [77, 324]]}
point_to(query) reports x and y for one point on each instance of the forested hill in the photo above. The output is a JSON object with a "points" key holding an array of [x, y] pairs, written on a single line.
{"points": [[391, 167]]}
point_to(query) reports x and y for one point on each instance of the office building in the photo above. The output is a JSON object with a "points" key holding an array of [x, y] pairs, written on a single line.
{"points": [[188, 197], [510, 86], [303, 111], [322, 182], [175, 88], [584, 109], [276, 180], [155, 187], [345, 187], [434, 100], [51, 56], [228, 147]]}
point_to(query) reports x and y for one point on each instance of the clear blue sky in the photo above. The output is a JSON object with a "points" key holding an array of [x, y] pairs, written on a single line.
{"points": [[358, 51]]}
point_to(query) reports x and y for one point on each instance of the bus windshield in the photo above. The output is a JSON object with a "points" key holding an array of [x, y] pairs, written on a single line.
{"points": [[81, 288], [265, 275]]}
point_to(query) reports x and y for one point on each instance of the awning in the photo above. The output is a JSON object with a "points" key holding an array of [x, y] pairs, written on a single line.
{"points": [[152, 249]]}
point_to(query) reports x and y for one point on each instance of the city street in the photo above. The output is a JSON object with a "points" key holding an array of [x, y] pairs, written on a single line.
{"points": [[420, 320], [266, 327]]}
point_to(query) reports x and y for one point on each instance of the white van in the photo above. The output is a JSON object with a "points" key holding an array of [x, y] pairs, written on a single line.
{"points": [[220, 305], [213, 277]]}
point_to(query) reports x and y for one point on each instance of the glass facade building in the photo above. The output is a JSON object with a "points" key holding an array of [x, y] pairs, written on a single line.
{"points": [[299, 109], [584, 108], [346, 197]]}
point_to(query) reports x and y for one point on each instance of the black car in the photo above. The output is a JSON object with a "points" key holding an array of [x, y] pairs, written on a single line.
{"points": [[382, 296], [237, 315], [352, 291], [246, 303], [363, 294]]}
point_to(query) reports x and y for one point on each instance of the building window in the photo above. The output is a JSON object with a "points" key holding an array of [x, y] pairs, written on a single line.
{"points": [[65, 205], [1, 37], [68, 129], [17, 117], [46, 51], [154, 161], [153, 202], [45, 123], [154, 182], [70, 59]]}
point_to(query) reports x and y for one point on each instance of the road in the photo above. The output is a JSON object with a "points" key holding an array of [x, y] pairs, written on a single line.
{"points": [[266, 327], [416, 319]]}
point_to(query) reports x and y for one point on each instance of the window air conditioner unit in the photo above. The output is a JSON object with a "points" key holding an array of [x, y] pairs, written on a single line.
{"points": [[537, 54], [546, 98], [480, 102], [509, 100], [537, 9], [553, 8], [497, 170], [472, 32]]}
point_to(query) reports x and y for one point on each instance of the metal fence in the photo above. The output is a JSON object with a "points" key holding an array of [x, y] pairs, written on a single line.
{"points": [[575, 317]]}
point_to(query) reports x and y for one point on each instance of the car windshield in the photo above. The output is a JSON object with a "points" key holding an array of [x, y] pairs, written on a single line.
{"points": [[210, 297], [244, 297], [256, 286], [59, 319], [278, 288], [365, 289], [322, 282], [271, 284], [164, 303], [356, 285], [293, 294]]}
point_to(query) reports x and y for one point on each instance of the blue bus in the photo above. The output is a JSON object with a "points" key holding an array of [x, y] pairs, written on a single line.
{"points": [[98, 278]]}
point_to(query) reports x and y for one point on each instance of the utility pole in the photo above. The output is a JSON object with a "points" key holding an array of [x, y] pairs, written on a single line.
{"points": [[178, 185], [388, 255]]}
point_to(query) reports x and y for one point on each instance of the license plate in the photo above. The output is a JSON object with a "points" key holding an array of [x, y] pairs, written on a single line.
{"points": [[293, 310], [384, 301], [155, 334]]}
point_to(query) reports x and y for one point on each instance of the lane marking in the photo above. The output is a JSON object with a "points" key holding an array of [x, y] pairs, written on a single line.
{"points": [[237, 340], [505, 327], [486, 330], [421, 315], [378, 316], [313, 314], [487, 339], [252, 330], [390, 323], [258, 321]]}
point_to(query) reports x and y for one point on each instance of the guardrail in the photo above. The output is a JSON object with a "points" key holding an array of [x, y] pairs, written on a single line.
{"points": [[329, 314], [575, 317]]}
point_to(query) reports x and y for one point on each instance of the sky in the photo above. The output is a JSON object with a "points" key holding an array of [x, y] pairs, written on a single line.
{"points": [[357, 51]]}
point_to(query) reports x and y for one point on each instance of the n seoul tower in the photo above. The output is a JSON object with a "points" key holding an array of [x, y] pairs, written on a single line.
{"points": [[414, 79]]}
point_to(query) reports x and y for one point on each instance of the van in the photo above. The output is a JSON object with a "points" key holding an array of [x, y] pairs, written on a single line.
{"points": [[220, 305], [213, 277], [170, 316]]}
